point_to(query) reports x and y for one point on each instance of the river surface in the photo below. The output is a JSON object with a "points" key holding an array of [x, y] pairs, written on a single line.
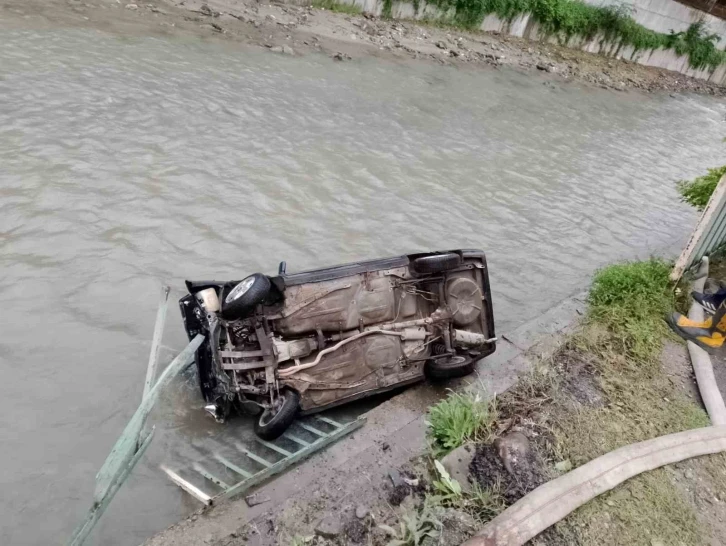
{"points": [[126, 163]]}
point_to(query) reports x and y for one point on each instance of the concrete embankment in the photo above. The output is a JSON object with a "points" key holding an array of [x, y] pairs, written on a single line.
{"points": [[356, 469], [664, 16]]}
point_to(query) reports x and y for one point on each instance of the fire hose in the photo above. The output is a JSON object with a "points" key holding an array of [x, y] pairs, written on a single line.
{"points": [[556, 499]]}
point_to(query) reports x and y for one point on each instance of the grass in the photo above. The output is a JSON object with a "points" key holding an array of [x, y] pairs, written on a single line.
{"points": [[567, 19], [648, 509], [698, 191], [630, 301], [623, 338], [338, 7], [414, 527], [459, 418]]}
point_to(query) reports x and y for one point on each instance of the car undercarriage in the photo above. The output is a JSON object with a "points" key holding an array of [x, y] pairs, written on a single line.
{"points": [[304, 342]]}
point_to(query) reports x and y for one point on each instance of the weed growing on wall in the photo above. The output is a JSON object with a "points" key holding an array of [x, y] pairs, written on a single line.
{"points": [[567, 19]]}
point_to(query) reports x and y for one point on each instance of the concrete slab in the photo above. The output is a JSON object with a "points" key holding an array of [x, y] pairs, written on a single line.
{"points": [[549, 323]]}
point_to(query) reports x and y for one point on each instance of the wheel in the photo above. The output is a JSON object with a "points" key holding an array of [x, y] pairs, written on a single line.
{"points": [[274, 421], [436, 263], [245, 296], [449, 367]]}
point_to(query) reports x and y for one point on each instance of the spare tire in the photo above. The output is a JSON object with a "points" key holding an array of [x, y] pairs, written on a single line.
{"points": [[436, 263], [245, 296], [441, 369]]}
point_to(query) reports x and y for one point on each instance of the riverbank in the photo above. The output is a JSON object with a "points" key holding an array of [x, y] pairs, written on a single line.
{"points": [[618, 378], [296, 30], [366, 471]]}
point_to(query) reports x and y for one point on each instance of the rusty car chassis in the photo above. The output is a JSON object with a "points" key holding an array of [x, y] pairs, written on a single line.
{"points": [[304, 342]]}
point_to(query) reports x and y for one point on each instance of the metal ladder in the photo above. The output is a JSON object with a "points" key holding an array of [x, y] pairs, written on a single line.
{"points": [[234, 467]]}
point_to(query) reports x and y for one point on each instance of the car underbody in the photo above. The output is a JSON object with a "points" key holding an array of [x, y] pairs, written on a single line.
{"points": [[304, 342]]}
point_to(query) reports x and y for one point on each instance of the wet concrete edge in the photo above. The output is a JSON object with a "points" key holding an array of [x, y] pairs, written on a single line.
{"points": [[394, 434]]}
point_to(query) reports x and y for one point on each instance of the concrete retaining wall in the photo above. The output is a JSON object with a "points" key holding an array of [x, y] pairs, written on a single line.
{"points": [[659, 15]]}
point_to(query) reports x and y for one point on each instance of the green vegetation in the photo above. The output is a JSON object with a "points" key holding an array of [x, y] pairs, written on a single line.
{"points": [[698, 191], [630, 300], [458, 418], [339, 7], [567, 19], [483, 504], [622, 342], [415, 526]]}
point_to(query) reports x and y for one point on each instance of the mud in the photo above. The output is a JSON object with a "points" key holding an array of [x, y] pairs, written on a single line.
{"points": [[355, 531], [400, 491], [581, 382], [488, 470]]}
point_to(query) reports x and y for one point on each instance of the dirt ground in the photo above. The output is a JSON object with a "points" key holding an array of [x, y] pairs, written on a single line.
{"points": [[299, 30]]}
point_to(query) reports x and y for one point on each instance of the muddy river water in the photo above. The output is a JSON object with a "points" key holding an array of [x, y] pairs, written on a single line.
{"points": [[126, 163]]}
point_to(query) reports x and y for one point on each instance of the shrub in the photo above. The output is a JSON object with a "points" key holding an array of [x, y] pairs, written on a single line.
{"points": [[458, 418], [698, 191]]}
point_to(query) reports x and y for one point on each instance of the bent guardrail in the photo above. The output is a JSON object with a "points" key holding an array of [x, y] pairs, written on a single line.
{"points": [[134, 440]]}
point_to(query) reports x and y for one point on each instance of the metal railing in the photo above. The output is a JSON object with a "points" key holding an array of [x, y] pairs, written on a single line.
{"points": [[134, 440], [709, 234]]}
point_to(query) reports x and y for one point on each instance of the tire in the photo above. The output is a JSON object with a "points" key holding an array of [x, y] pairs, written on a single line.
{"points": [[451, 367], [245, 296], [436, 263], [271, 424]]}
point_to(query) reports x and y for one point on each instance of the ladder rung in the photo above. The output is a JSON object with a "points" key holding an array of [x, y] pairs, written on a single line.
{"points": [[243, 449], [296, 439], [211, 477], [189, 487], [233, 467], [273, 447], [313, 430], [329, 421]]}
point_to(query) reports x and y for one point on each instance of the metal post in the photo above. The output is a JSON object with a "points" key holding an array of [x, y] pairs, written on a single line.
{"points": [[132, 443], [156, 340]]}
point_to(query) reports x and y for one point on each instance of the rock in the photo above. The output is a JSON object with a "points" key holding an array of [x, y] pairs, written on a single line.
{"points": [[341, 57], [547, 67], [563, 466], [396, 478], [255, 499], [361, 511], [457, 464], [287, 50], [453, 53], [440, 45], [276, 49], [132, 6], [689, 474], [329, 527], [513, 449]]}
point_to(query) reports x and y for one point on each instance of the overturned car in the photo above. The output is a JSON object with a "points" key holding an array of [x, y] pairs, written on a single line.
{"points": [[304, 342]]}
